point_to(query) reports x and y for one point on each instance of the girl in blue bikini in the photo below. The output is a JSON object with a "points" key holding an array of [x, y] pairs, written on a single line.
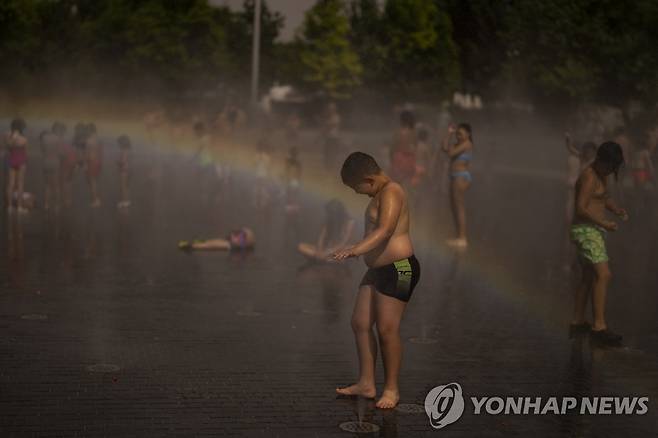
{"points": [[460, 154]]}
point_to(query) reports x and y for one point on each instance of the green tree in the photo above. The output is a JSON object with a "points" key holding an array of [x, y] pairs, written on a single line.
{"points": [[169, 41], [18, 41], [367, 36], [421, 56], [478, 27], [330, 62], [583, 50]]}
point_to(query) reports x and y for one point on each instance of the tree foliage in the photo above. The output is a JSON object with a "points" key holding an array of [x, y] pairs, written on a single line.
{"points": [[421, 56], [330, 62], [172, 44], [570, 51], [586, 49]]}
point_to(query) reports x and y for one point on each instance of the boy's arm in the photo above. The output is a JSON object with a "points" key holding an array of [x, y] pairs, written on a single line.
{"points": [[389, 212], [347, 235], [583, 198], [610, 205]]}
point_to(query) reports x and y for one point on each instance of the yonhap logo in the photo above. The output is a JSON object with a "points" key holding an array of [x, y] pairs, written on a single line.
{"points": [[444, 405]]}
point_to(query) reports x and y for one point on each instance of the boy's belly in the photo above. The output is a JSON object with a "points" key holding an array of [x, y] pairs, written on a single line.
{"points": [[596, 209], [398, 247]]}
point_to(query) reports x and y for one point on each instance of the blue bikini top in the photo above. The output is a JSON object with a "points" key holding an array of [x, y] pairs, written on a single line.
{"points": [[464, 156]]}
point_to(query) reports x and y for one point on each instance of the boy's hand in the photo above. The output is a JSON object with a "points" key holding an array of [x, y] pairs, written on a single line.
{"points": [[610, 225], [344, 253], [451, 128], [622, 214]]}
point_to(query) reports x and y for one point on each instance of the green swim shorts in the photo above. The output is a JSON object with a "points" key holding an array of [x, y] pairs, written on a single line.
{"points": [[590, 242]]}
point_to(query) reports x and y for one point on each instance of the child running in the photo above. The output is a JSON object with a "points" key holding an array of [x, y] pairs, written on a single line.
{"points": [[587, 232], [389, 282]]}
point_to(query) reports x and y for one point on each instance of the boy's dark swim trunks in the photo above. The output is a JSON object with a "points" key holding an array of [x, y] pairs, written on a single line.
{"points": [[396, 280]]}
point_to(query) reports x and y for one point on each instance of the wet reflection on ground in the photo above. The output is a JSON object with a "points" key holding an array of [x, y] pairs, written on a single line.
{"points": [[255, 342]]}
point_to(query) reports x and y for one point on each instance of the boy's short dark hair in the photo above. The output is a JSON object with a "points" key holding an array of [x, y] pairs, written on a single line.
{"points": [[611, 154], [357, 167]]}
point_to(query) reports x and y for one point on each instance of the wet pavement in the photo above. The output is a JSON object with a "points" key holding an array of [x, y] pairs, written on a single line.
{"points": [[109, 330]]}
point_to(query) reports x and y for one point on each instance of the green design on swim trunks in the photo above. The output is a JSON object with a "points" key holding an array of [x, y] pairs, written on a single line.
{"points": [[404, 274], [590, 242]]}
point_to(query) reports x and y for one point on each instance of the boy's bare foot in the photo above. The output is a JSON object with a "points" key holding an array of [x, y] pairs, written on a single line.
{"points": [[389, 399], [358, 389]]}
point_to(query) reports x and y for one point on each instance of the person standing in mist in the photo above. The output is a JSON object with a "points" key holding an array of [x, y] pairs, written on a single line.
{"points": [[393, 273], [123, 165], [50, 141], [93, 150], [16, 143], [588, 234], [68, 159], [460, 153], [403, 150], [331, 145]]}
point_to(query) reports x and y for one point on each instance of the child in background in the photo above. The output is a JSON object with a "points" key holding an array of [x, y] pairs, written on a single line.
{"points": [[588, 231], [263, 170], [50, 160], [124, 170], [67, 162], [293, 178], [94, 163], [242, 239], [336, 233], [16, 143]]}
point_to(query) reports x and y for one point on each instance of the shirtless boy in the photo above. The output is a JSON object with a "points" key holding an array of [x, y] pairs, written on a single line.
{"points": [[389, 282], [587, 232]]}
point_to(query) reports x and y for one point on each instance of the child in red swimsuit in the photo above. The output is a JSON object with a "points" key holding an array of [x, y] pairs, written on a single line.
{"points": [[17, 163]]}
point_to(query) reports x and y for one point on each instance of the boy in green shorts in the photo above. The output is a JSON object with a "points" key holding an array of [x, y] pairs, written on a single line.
{"points": [[588, 233]]}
